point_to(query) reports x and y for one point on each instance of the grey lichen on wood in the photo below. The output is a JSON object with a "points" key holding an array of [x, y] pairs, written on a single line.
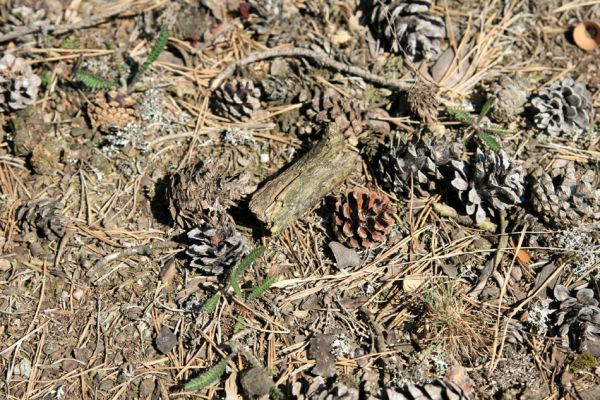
{"points": [[299, 188]]}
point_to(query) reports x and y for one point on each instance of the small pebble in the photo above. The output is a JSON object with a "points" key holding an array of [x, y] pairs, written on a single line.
{"points": [[165, 340]]}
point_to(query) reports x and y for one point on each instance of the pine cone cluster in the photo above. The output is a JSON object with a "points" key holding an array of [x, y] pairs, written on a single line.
{"points": [[215, 248], [363, 218], [436, 390], [113, 111], [564, 108], [44, 216], [197, 193], [577, 320], [18, 84], [344, 112], [237, 100], [511, 97], [490, 182], [565, 196], [407, 25], [421, 160]]}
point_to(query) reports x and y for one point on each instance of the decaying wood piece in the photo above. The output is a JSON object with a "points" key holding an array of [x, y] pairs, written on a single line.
{"points": [[299, 188]]}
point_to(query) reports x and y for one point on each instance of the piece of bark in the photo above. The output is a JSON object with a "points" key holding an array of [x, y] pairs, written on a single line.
{"points": [[299, 188]]}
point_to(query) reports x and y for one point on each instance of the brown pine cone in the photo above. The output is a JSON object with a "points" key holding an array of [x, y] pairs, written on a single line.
{"points": [[333, 108], [112, 111], [423, 102], [363, 219]]}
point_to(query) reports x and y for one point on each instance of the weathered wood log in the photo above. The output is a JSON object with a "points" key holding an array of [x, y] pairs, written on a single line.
{"points": [[298, 189]]}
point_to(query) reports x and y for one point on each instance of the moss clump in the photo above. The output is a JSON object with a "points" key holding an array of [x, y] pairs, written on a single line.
{"points": [[583, 361]]}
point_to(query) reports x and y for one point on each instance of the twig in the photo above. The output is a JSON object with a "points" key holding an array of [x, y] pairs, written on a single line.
{"points": [[131, 251], [92, 20], [317, 56]]}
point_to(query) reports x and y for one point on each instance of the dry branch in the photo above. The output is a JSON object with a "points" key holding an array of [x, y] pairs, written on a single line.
{"points": [[299, 188], [317, 56]]}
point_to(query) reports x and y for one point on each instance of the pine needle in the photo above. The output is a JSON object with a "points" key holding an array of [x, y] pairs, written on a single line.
{"points": [[208, 377]]}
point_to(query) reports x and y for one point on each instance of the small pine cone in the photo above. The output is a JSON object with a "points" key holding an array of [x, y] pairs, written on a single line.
{"points": [[320, 390], [436, 390], [18, 84], [564, 108], [577, 320], [237, 100], [566, 196], [511, 96], [113, 111], [407, 25], [29, 129], [216, 248], [197, 193], [423, 102], [44, 216], [333, 108], [422, 160], [363, 219], [487, 184]]}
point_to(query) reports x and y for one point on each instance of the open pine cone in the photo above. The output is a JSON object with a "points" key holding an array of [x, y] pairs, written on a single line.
{"points": [[489, 183], [344, 112], [436, 390], [564, 108], [511, 96], [318, 389], [399, 160], [566, 196], [407, 25], [423, 102], [18, 84], [44, 216], [577, 320], [215, 248], [237, 100], [112, 111], [363, 219]]}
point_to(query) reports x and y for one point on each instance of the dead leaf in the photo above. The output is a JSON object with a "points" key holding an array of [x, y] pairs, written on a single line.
{"points": [[413, 282], [344, 257], [168, 272], [318, 350]]}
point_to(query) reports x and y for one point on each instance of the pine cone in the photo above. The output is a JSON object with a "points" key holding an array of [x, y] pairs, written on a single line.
{"points": [[511, 97], [215, 249], [237, 100], [566, 196], [196, 193], [436, 390], [565, 108], [44, 216], [18, 84], [577, 320], [344, 112], [113, 111], [407, 25], [423, 102], [487, 184], [363, 219], [422, 160], [319, 390]]}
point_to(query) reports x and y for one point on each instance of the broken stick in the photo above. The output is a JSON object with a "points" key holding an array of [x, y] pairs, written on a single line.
{"points": [[299, 188]]}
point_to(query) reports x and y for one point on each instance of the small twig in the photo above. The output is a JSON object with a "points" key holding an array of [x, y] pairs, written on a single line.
{"points": [[317, 56], [92, 20], [131, 251]]}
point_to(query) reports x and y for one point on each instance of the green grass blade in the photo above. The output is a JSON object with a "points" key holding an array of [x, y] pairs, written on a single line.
{"points": [[208, 377], [490, 142], [159, 46], [486, 108], [245, 263], [263, 286], [460, 114], [497, 129], [240, 324], [211, 303], [92, 81]]}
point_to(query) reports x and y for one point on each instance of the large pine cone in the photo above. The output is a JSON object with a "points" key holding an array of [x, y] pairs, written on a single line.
{"points": [[113, 111], [344, 112], [564, 108], [577, 320], [44, 216], [407, 25], [489, 183], [436, 390], [215, 249], [421, 160], [566, 196], [363, 219], [18, 84], [237, 100]]}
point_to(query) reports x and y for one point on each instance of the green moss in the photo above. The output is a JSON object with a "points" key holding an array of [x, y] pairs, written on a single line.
{"points": [[583, 361]]}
